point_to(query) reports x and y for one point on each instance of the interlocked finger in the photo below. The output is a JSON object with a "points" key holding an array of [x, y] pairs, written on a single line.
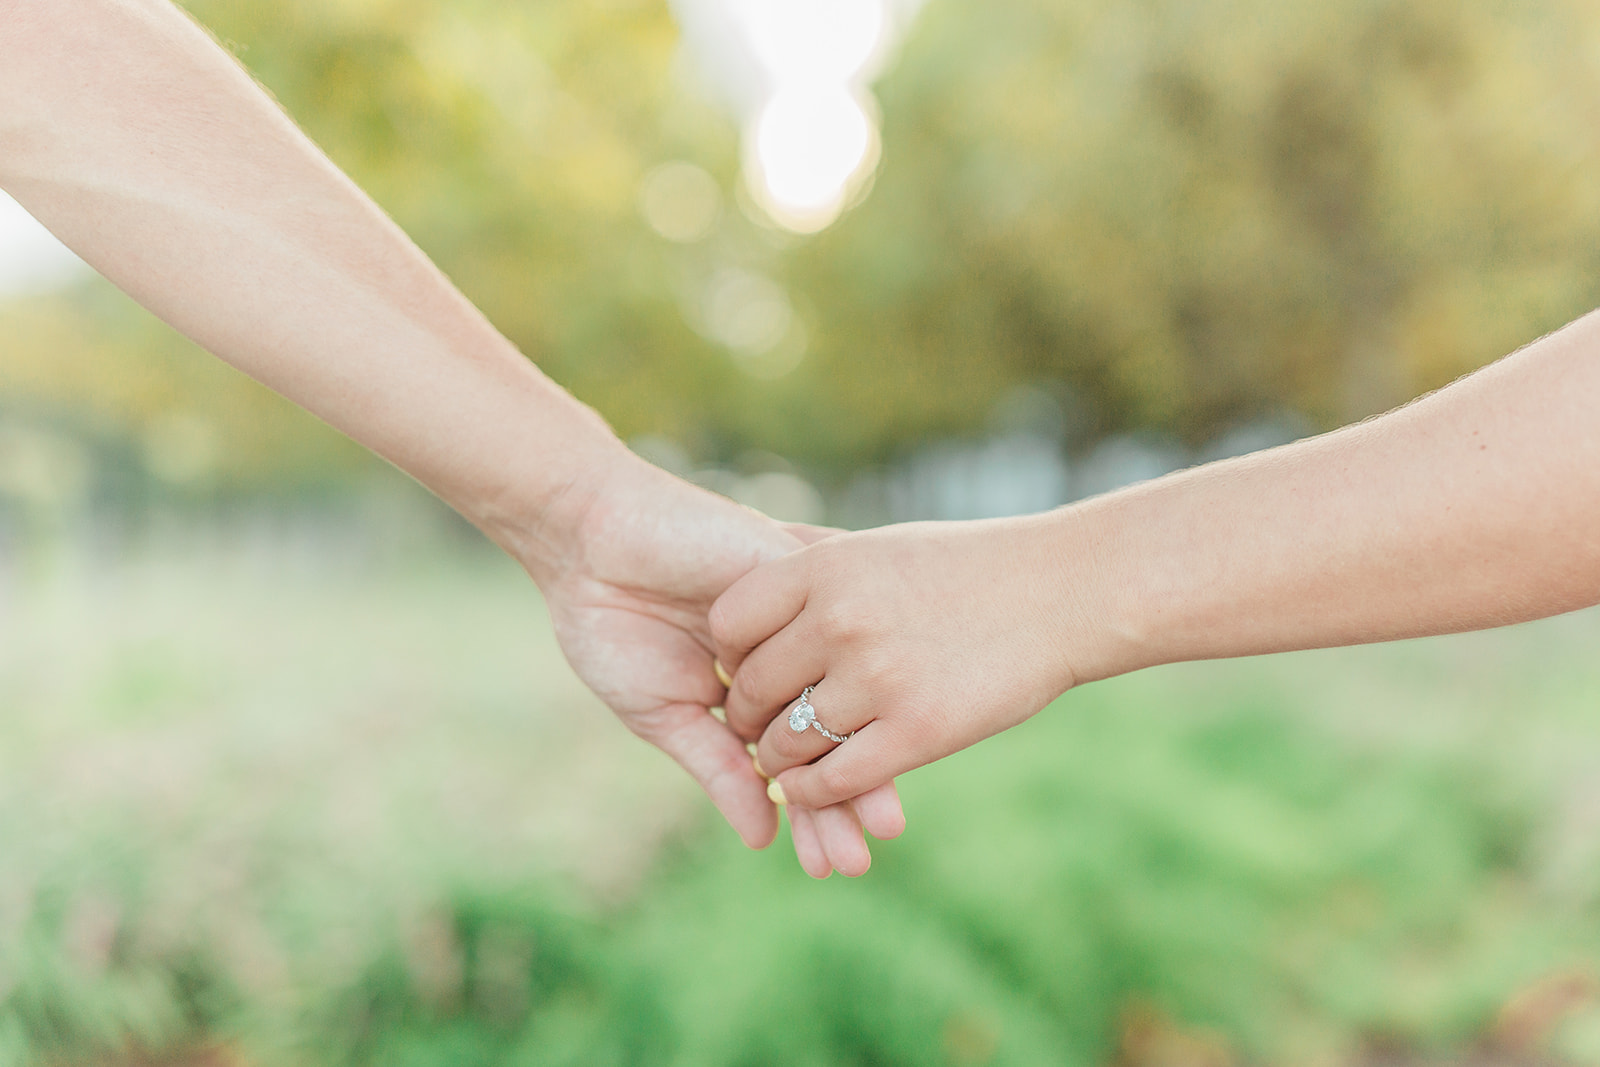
{"points": [[839, 830], [814, 724], [882, 750], [808, 847], [770, 678]]}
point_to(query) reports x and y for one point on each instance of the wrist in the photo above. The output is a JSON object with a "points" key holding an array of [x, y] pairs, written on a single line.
{"points": [[1107, 618], [537, 509]]}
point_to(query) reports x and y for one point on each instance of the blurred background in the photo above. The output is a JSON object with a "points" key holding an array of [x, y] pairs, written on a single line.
{"points": [[292, 771]]}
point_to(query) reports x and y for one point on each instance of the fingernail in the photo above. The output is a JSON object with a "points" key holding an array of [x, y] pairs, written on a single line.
{"points": [[775, 793], [720, 715], [722, 673], [755, 761]]}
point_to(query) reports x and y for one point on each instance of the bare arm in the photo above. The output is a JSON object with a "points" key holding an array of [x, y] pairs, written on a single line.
{"points": [[1476, 506], [147, 149], [129, 133]]}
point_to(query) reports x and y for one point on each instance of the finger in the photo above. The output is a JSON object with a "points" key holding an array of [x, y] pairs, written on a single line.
{"points": [[772, 677], [878, 753], [842, 840], [807, 534], [717, 759], [782, 746], [808, 845], [757, 606], [880, 812]]}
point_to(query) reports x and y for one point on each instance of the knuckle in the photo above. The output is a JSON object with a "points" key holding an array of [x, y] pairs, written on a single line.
{"points": [[745, 725], [747, 683], [910, 723], [834, 783], [880, 671], [745, 721], [842, 620], [648, 726], [789, 746], [720, 621]]}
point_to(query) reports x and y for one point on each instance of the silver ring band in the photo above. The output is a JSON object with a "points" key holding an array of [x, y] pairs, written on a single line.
{"points": [[803, 717]]}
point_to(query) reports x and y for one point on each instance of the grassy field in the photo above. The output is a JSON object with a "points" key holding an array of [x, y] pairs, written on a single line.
{"points": [[267, 800]]}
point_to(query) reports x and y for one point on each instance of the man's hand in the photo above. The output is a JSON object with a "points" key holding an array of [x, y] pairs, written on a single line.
{"points": [[647, 556]]}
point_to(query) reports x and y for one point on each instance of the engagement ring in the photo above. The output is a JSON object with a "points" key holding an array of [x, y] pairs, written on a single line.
{"points": [[803, 717]]}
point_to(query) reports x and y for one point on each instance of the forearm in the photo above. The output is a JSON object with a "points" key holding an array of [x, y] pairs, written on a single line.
{"points": [[1474, 507], [149, 151]]}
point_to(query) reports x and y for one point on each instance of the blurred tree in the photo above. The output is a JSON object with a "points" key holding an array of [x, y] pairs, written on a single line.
{"points": [[1177, 216], [1193, 213]]}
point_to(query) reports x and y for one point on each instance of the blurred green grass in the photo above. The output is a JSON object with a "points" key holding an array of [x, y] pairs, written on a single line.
{"points": [[282, 804]]}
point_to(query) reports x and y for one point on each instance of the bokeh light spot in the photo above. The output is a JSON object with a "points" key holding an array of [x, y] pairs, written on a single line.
{"points": [[828, 41], [810, 143], [680, 201], [747, 312]]}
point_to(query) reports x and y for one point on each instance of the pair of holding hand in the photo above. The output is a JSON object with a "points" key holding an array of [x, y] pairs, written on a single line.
{"points": [[629, 574], [148, 150], [142, 144]]}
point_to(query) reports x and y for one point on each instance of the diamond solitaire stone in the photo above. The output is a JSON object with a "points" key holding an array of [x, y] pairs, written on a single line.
{"points": [[801, 716]]}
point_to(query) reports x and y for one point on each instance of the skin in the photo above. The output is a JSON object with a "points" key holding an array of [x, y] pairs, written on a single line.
{"points": [[150, 152], [1476, 506]]}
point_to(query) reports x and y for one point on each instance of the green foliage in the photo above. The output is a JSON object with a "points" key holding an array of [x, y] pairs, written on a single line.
{"points": [[241, 855], [1189, 214], [1241, 875]]}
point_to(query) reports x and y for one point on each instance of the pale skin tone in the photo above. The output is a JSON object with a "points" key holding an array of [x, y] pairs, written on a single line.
{"points": [[150, 152], [1476, 506]]}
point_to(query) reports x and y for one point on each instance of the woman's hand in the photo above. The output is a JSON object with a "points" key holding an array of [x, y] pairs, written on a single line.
{"points": [[920, 639], [642, 556], [1475, 506]]}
